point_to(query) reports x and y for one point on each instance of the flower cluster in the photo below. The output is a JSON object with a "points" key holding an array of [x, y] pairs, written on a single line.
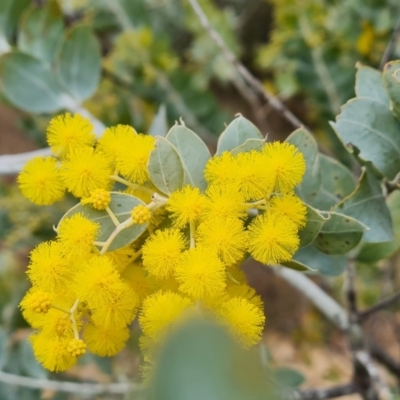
{"points": [[187, 260]]}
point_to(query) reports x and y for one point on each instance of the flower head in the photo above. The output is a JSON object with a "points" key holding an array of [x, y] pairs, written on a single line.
{"points": [[85, 170], [220, 170], [40, 181], [68, 132], [186, 205], [285, 164], [292, 207], [141, 214], [201, 273], [76, 347], [36, 301], [139, 281], [99, 199], [162, 251], [273, 238]]}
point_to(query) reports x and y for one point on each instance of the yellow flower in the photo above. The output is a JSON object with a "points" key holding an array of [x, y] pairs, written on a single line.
{"points": [[122, 257], [224, 202], [244, 291], [98, 283], [285, 164], [76, 347], [245, 320], [57, 323], [115, 139], [132, 160], [85, 170], [99, 199], [141, 214], [40, 181], [273, 238], [160, 311], [162, 251], [36, 301], [105, 342], [186, 205], [292, 207], [77, 234], [49, 268], [220, 170], [52, 353], [252, 176], [68, 132], [201, 273], [224, 236]]}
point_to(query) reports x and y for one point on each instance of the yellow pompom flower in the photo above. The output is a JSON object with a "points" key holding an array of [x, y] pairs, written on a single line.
{"points": [[252, 176], [77, 234], [117, 313], [244, 319], [98, 283], [224, 202], [244, 291], [160, 311], [186, 205], [49, 268], [162, 251], [40, 181], [114, 139], [273, 238], [68, 132], [76, 347], [132, 160], [292, 207], [36, 301], [122, 257], [105, 342], [224, 236], [52, 353], [57, 323], [99, 199], [200, 273], [85, 170], [141, 214], [285, 164], [139, 281], [220, 170]]}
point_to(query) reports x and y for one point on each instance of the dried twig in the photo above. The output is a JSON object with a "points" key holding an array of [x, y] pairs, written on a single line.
{"points": [[380, 306], [251, 80], [391, 45]]}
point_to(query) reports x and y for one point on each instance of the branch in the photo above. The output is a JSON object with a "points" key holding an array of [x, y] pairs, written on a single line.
{"points": [[252, 81], [13, 163], [329, 393], [325, 303], [380, 306], [385, 359], [69, 387], [391, 45]]}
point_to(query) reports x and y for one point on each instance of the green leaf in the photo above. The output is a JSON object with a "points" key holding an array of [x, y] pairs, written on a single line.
{"points": [[369, 84], [159, 125], [296, 265], [391, 80], [10, 11], [337, 183], [370, 126], [367, 204], [249, 145], [29, 85], [121, 205], [315, 221], [79, 63], [320, 262], [236, 134], [310, 186], [41, 31], [193, 153], [289, 377], [165, 167], [339, 234], [373, 252]]}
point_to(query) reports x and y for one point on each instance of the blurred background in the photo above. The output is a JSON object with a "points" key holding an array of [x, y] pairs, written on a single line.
{"points": [[146, 61]]}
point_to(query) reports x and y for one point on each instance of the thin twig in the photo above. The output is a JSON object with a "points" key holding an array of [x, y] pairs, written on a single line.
{"points": [[380, 306], [391, 46], [251, 80], [351, 295], [328, 393], [385, 359], [85, 389]]}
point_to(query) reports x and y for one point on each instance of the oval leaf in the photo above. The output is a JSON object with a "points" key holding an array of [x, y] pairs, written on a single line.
{"points": [[236, 134], [79, 63], [339, 234], [193, 153], [29, 85], [159, 125], [315, 220], [121, 205], [165, 167], [249, 145], [369, 84]]}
